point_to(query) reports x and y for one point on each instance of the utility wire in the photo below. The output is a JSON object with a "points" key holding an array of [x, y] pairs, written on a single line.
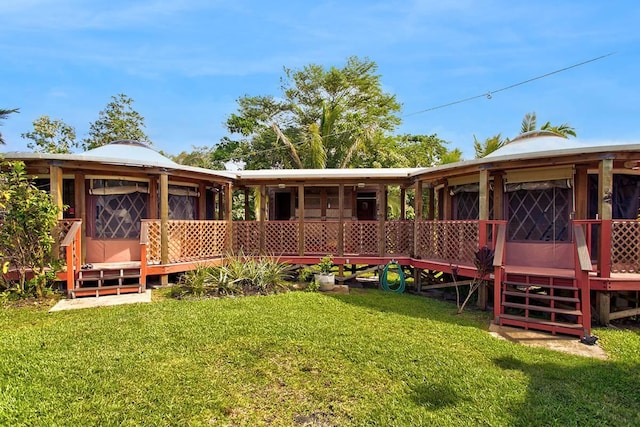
{"points": [[487, 95]]}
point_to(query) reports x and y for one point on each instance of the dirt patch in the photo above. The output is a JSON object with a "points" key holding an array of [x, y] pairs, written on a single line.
{"points": [[562, 343]]}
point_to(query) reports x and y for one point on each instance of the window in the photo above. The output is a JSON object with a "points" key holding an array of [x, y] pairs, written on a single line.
{"points": [[539, 214], [117, 206]]}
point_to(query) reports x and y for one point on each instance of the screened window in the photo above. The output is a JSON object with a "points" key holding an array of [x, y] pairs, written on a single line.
{"points": [[466, 206], [539, 214], [117, 206]]}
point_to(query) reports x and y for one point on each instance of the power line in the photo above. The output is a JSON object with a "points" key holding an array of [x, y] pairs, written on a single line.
{"points": [[489, 94]]}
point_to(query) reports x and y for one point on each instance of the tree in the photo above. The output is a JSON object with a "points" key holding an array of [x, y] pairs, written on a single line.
{"points": [[421, 151], [451, 156], [4, 114], [324, 118], [489, 145], [117, 121], [29, 215], [51, 136], [529, 123], [209, 157]]}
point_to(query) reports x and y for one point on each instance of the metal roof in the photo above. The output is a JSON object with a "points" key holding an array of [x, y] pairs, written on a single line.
{"points": [[361, 173]]}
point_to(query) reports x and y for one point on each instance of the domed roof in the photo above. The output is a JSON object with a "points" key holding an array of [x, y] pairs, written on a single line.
{"points": [[133, 151], [538, 141]]}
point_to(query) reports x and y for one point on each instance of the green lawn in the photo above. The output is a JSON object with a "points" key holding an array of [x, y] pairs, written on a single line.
{"points": [[369, 358]]}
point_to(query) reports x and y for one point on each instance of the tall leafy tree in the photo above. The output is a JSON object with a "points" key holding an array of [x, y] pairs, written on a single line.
{"points": [[117, 121], [422, 150], [51, 136], [209, 157], [324, 118], [4, 114]]}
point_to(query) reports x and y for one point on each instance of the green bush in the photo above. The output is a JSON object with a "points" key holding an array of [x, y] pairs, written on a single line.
{"points": [[237, 275]]}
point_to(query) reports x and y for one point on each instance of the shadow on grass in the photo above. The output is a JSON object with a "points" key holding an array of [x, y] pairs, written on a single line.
{"points": [[415, 306], [435, 396], [587, 392]]}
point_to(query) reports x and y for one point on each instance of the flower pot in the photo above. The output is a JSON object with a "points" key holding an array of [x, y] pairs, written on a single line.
{"points": [[326, 281]]}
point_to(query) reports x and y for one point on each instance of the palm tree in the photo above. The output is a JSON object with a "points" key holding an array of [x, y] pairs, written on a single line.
{"points": [[529, 124], [489, 145], [3, 116]]}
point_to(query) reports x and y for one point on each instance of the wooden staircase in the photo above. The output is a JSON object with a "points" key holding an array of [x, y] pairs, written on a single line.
{"points": [[106, 281], [541, 302]]}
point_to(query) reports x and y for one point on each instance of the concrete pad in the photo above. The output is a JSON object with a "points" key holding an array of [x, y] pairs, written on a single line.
{"points": [[563, 343], [107, 300]]}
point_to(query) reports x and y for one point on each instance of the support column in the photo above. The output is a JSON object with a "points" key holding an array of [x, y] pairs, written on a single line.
{"points": [[263, 214], [382, 217], [431, 204], [164, 224], [483, 217], [301, 220], [228, 192], [246, 204], [323, 203], [202, 201], [418, 218], [581, 185], [403, 208], [55, 187], [605, 213], [498, 196], [341, 220], [79, 188]]}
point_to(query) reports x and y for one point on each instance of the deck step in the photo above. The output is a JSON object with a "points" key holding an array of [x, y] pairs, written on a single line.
{"points": [[544, 297], [106, 290], [542, 308], [540, 285], [513, 319]]}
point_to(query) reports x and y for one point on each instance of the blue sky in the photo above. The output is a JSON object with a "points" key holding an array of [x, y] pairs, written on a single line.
{"points": [[186, 62]]}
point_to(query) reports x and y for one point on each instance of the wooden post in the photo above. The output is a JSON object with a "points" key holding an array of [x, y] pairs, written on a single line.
{"points": [[221, 207], [483, 218], [164, 224], [323, 203], [153, 199], [246, 204], [446, 203], [498, 196], [603, 300], [228, 192], [382, 217], [403, 208], [263, 214], [81, 212], [301, 219], [605, 213], [340, 219], [581, 181], [202, 201], [418, 218], [55, 185], [431, 206]]}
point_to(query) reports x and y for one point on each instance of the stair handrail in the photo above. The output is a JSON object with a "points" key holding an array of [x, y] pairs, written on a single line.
{"points": [[498, 263], [583, 266], [144, 242], [71, 243]]}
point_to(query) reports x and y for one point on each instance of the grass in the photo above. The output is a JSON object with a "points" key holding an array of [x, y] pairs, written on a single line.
{"points": [[368, 358]]}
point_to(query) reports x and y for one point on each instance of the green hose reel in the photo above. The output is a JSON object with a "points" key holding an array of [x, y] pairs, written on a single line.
{"points": [[397, 285]]}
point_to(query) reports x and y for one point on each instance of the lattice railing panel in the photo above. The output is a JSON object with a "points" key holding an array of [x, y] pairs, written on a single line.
{"points": [[188, 240], [625, 246], [153, 244], [399, 237], [361, 237], [246, 237], [450, 241], [321, 237], [281, 237]]}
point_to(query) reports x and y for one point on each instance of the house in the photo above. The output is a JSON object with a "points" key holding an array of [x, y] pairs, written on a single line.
{"points": [[561, 216]]}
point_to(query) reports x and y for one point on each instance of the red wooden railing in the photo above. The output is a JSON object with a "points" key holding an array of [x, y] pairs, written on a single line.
{"points": [[72, 249]]}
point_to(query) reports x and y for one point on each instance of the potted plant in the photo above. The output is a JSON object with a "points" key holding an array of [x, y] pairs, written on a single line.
{"points": [[325, 278]]}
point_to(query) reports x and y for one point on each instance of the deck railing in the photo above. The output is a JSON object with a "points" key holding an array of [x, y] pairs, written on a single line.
{"points": [[187, 240], [448, 241], [619, 249]]}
